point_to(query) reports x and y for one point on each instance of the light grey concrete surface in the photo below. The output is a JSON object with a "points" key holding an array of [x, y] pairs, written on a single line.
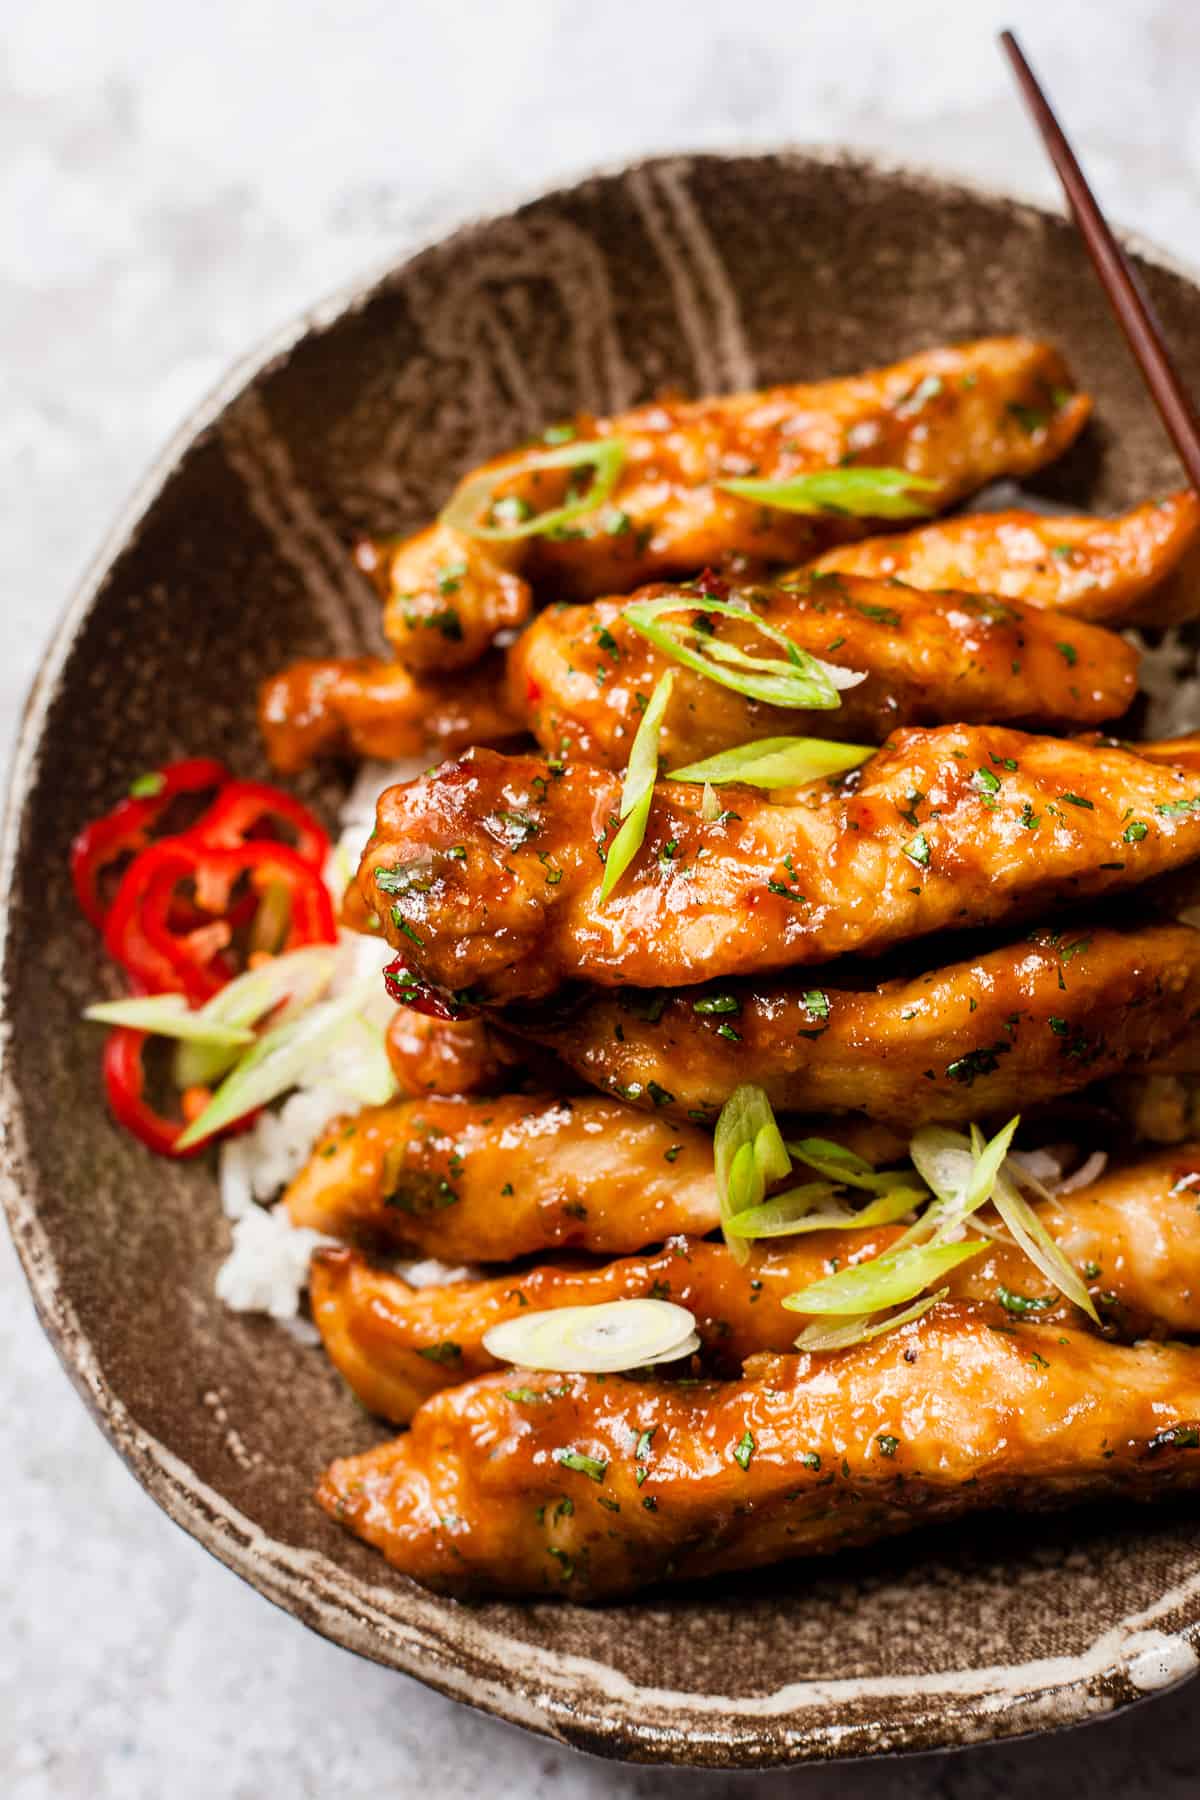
{"points": [[174, 182]]}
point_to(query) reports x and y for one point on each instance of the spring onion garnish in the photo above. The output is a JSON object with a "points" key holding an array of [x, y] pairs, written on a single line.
{"points": [[290, 982], [856, 1331], [1033, 1238], [863, 492], [963, 1176], [887, 1280], [479, 511], [779, 762], [748, 1152], [278, 1060], [168, 1015], [595, 1340], [846, 1167], [638, 789], [795, 679], [809, 1208]]}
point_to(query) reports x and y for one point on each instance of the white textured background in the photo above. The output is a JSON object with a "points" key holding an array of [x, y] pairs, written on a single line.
{"points": [[175, 181]]}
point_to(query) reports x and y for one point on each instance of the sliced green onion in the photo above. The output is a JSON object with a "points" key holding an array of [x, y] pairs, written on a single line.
{"points": [[595, 1340], [278, 1061], [710, 806], [468, 509], [168, 1015], [294, 980], [778, 762], [795, 679], [846, 1167], [886, 1280], [863, 492], [748, 1152], [856, 1331], [637, 791], [800, 1209], [369, 1077], [1033, 1238], [962, 1177]]}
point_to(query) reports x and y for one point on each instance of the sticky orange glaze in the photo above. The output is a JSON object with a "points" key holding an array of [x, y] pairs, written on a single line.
{"points": [[1134, 1235], [811, 1453], [1109, 570], [471, 1180], [582, 674], [445, 1056], [492, 864], [960, 416], [995, 1034], [1091, 567], [369, 707]]}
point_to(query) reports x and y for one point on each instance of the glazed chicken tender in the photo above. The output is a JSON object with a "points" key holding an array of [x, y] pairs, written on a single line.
{"points": [[364, 706], [1110, 570], [996, 1033], [489, 1180], [1134, 1235], [583, 673], [959, 417], [591, 1487], [487, 873]]}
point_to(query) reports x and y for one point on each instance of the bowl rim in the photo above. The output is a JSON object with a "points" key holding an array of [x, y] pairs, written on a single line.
{"points": [[569, 1698]]}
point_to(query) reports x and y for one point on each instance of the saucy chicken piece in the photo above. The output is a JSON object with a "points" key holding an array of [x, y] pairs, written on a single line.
{"points": [[486, 873], [583, 674], [445, 1056], [590, 1487], [471, 1180], [999, 1032], [1110, 570], [1134, 1234], [368, 707], [959, 416]]}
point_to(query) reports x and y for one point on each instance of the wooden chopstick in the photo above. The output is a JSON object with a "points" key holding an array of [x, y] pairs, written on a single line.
{"points": [[1143, 333]]}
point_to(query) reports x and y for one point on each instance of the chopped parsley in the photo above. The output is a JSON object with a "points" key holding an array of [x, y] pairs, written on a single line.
{"points": [[592, 1466]]}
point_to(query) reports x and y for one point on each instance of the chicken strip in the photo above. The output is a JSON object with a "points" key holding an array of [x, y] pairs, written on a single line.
{"points": [[591, 1487], [368, 707], [583, 674], [1110, 570], [1134, 1235], [489, 1180], [446, 1056], [959, 416], [487, 872], [999, 1032]]}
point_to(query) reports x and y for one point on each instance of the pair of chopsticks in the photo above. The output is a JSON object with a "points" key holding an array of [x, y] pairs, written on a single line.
{"points": [[1143, 333]]}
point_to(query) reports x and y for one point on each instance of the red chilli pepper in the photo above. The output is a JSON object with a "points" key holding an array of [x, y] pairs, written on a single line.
{"points": [[126, 829], [125, 1085], [241, 806], [170, 943]]}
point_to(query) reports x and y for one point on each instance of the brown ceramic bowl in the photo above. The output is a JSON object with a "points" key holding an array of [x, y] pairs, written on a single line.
{"points": [[702, 274]]}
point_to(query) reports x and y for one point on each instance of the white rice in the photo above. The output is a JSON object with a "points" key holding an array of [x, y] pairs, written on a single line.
{"points": [[267, 1268]]}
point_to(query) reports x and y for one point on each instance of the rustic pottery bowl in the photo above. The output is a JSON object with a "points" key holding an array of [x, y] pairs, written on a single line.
{"points": [[698, 273]]}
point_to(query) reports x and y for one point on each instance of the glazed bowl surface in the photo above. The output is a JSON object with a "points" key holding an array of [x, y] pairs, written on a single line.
{"points": [[698, 274]]}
